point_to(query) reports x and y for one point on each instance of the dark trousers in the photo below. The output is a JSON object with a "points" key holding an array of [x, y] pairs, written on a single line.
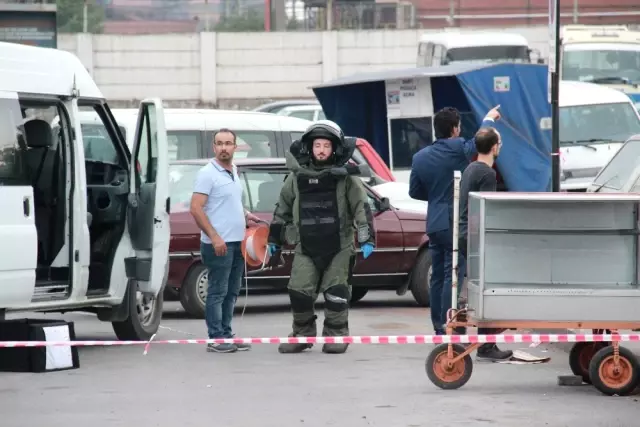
{"points": [[462, 250], [441, 248]]}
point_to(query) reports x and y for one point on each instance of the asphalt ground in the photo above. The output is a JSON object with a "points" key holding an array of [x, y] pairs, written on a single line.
{"points": [[370, 385]]}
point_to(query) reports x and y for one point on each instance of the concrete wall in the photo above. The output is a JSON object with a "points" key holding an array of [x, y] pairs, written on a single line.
{"points": [[240, 70]]}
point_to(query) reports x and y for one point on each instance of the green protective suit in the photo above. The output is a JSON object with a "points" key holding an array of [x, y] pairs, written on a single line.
{"points": [[324, 242]]}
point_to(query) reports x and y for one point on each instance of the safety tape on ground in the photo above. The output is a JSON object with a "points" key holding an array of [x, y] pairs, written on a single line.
{"points": [[386, 339]]}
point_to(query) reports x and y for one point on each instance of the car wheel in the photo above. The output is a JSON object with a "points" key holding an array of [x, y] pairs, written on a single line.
{"points": [[421, 278], [193, 294], [145, 314], [357, 293]]}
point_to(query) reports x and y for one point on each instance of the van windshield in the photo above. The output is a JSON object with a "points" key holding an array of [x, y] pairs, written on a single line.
{"points": [[518, 54], [97, 143], [598, 123], [608, 65]]}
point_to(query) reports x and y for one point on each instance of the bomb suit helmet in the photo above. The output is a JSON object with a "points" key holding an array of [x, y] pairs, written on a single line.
{"points": [[325, 129]]}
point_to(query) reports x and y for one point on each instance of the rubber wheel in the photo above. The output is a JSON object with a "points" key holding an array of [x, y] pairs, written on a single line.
{"points": [[193, 294], [145, 314], [444, 376], [357, 293], [421, 278], [610, 381], [580, 357]]}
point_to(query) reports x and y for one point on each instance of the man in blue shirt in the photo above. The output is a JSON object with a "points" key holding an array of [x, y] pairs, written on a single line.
{"points": [[216, 206], [432, 181]]}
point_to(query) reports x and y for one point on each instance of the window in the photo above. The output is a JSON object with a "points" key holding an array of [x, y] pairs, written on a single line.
{"points": [[621, 167], [408, 136], [321, 115], [181, 181], [303, 114], [99, 143], [601, 66], [262, 189], [147, 155], [252, 144], [438, 52], [184, 145], [13, 168], [597, 124], [518, 54]]}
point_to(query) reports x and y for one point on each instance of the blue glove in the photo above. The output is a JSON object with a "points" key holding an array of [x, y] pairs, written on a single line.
{"points": [[272, 249], [367, 248]]}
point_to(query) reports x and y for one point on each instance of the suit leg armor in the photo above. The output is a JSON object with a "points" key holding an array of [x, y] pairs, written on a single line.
{"points": [[302, 294]]}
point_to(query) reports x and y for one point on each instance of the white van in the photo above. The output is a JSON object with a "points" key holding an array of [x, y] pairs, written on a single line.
{"points": [[190, 131], [594, 123], [448, 47], [79, 233]]}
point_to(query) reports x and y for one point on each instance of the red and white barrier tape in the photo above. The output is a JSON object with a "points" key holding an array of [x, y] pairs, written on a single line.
{"points": [[386, 339]]}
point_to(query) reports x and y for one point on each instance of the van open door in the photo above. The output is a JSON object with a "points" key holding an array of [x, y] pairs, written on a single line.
{"points": [[148, 207], [18, 235]]}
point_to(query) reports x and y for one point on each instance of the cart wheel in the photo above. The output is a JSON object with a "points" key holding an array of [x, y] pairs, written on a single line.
{"points": [[609, 379], [442, 374], [580, 356]]}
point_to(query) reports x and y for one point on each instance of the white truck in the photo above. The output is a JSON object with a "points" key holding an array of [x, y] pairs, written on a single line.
{"points": [[607, 55], [450, 47], [79, 233]]}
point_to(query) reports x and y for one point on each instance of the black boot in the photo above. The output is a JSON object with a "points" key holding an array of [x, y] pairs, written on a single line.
{"points": [[308, 329], [490, 351], [330, 330]]}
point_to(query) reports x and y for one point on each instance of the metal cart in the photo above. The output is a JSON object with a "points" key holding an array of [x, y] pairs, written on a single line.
{"points": [[549, 261]]}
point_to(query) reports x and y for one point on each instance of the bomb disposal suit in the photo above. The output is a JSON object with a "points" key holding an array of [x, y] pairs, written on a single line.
{"points": [[322, 208]]}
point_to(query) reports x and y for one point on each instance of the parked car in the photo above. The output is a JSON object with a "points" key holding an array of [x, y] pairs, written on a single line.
{"points": [[308, 112], [276, 106], [400, 260], [622, 173]]}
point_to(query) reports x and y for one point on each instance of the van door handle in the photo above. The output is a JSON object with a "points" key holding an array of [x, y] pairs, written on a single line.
{"points": [[26, 207]]}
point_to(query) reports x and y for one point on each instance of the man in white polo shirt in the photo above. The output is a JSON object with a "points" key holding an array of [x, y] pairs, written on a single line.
{"points": [[216, 206]]}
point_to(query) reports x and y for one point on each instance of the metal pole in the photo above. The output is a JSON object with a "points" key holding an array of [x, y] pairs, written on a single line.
{"points": [[555, 107], [206, 16], [457, 176], [575, 11], [85, 23], [452, 12]]}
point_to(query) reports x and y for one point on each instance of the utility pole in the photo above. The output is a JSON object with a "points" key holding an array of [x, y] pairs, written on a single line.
{"points": [[554, 82]]}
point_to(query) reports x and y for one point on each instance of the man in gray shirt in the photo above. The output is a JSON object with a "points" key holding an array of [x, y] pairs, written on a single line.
{"points": [[216, 206], [479, 176]]}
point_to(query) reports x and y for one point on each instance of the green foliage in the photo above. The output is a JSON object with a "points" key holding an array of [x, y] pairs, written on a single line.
{"points": [[70, 16], [251, 22]]}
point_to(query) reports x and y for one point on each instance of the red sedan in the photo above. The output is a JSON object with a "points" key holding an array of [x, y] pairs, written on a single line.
{"points": [[400, 260]]}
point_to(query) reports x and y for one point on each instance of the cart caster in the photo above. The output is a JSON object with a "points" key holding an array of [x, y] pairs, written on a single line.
{"points": [[611, 379], [580, 356], [444, 375]]}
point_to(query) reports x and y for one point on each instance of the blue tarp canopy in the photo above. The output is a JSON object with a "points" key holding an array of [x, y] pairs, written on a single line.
{"points": [[358, 104]]}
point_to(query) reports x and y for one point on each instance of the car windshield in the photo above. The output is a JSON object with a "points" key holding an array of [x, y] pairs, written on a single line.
{"points": [[598, 123], [618, 171], [608, 65], [261, 188], [487, 54]]}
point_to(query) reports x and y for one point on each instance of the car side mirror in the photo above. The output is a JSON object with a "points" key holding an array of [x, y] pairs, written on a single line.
{"points": [[383, 204]]}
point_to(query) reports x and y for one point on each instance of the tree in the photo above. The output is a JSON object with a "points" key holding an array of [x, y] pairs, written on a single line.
{"points": [[70, 15], [252, 21]]}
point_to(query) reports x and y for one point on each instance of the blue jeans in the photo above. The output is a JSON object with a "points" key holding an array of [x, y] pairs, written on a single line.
{"points": [[225, 280], [441, 247]]}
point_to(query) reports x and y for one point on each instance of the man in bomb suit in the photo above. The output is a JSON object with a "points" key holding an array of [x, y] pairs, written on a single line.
{"points": [[322, 207]]}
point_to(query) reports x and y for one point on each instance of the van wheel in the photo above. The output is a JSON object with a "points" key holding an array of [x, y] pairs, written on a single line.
{"points": [[145, 314], [193, 294], [421, 278]]}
